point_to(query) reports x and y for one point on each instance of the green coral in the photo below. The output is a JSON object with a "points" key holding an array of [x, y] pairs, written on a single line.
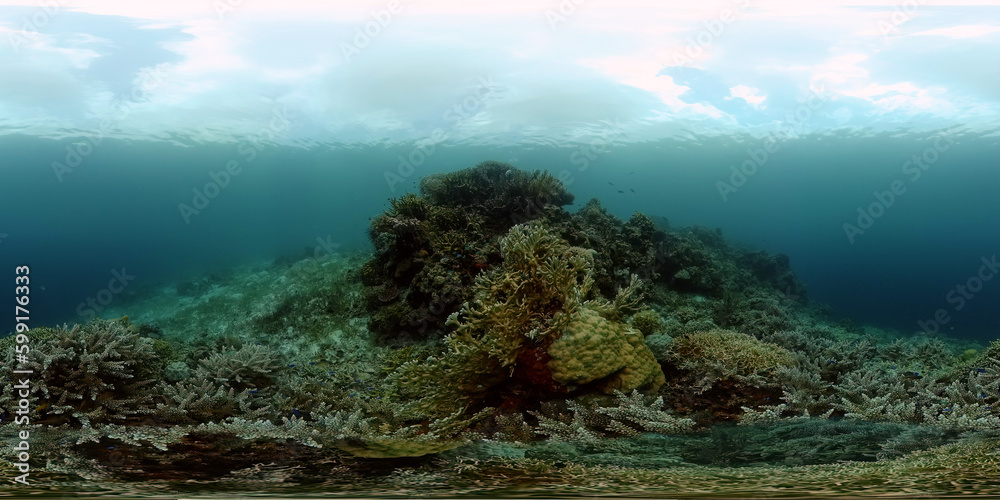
{"points": [[729, 353], [727, 371], [648, 322]]}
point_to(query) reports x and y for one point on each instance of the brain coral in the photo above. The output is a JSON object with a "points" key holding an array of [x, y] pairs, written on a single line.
{"points": [[592, 347]]}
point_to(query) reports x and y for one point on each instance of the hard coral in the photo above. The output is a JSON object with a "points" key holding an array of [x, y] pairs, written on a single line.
{"points": [[728, 353], [718, 372], [534, 330], [623, 249], [96, 373], [429, 248], [647, 322], [594, 348]]}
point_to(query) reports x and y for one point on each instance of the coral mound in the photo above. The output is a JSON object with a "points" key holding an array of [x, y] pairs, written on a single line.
{"points": [[535, 330], [429, 248]]}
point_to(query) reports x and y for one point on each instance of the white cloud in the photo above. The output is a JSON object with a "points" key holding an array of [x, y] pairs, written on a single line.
{"points": [[749, 94], [964, 31], [602, 62]]}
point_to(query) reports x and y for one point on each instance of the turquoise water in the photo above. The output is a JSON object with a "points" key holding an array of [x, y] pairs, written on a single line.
{"points": [[734, 249], [120, 209]]}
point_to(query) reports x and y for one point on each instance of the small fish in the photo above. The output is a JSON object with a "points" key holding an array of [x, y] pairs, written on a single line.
{"points": [[620, 191], [630, 189], [610, 184]]}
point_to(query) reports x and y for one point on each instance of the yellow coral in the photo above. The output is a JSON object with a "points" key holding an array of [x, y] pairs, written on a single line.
{"points": [[736, 353], [589, 349], [642, 371], [542, 291], [592, 348]]}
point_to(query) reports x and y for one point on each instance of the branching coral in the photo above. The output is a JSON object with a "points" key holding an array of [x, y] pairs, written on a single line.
{"points": [[534, 330], [249, 367], [717, 372], [101, 372], [430, 248], [587, 423]]}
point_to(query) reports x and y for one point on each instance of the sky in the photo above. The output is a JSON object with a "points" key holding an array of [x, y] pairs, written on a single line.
{"points": [[477, 72]]}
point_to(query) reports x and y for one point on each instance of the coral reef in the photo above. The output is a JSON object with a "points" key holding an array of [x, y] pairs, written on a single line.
{"points": [[622, 249], [716, 373], [534, 330], [630, 415], [100, 372], [647, 321], [495, 339], [430, 248]]}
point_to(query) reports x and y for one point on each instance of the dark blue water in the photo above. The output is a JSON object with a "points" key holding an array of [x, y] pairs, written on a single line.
{"points": [[119, 212]]}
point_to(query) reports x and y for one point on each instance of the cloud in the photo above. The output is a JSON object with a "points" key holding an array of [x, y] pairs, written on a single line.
{"points": [[964, 31], [222, 66], [749, 94]]}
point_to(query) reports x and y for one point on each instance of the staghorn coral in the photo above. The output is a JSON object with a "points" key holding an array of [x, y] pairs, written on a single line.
{"points": [[587, 423], [868, 375], [101, 372], [250, 366], [364, 437], [200, 400]]}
